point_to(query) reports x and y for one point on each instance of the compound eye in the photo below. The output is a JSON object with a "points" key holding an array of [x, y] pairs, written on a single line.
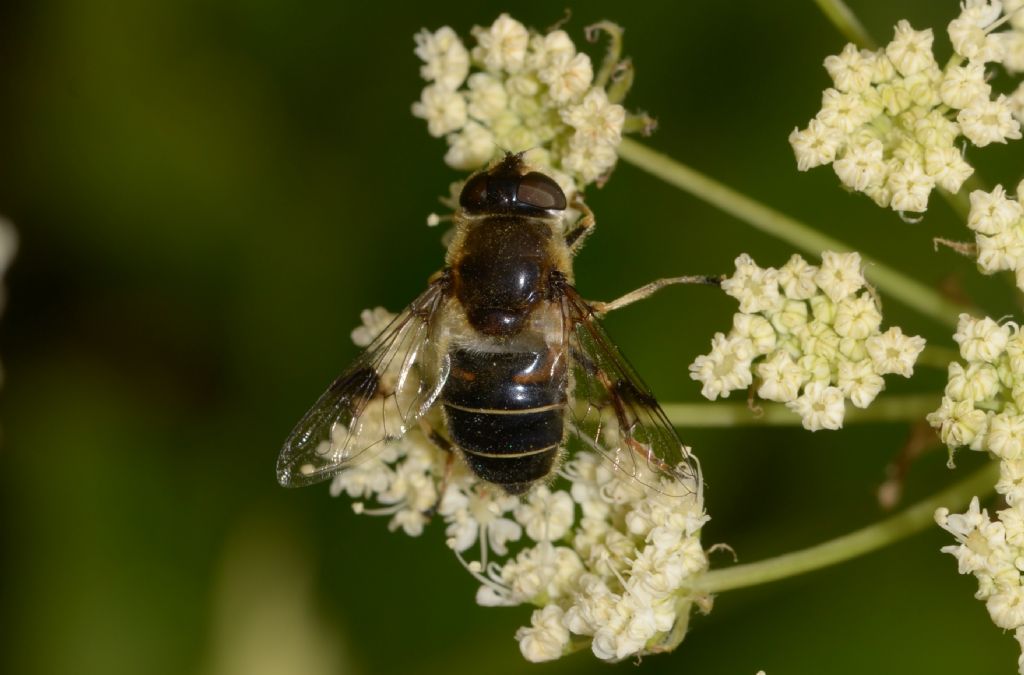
{"points": [[474, 193], [537, 190]]}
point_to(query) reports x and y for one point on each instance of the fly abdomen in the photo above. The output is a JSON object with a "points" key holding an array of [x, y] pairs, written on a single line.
{"points": [[505, 412]]}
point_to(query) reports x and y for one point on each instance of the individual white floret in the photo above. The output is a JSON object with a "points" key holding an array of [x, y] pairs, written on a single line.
{"points": [[852, 69], [976, 382], [815, 145], [445, 59], [443, 109], [986, 122], [546, 638], [859, 381], [478, 515], [595, 119], [840, 274], [844, 111], [796, 278], [981, 339], [894, 352], [757, 330], [910, 51], [374, 321], [947, 167], [968, 31], [993, 212], [818, 338], [756, 289], [964, 85], [959, 422], [789, 317], [820, 407], [487, 97], [1007, 607], [567, 80], [857, 317], [543, 571], [910, 187], [546, 515], [932, 130], [725, 369], [781, 378], [861, 165], [1002, 251], [471, 147], [502, 46], [590, 161], [1006, 436], [1011, 482]]}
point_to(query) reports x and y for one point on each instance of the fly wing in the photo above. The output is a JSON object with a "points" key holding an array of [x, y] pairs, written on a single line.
{"points": [[614, 412], [376, 400]]}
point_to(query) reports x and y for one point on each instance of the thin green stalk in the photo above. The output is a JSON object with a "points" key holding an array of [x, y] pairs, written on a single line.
{"points": [[866, 540], [847, 22], [895, 284], [906, 408]]}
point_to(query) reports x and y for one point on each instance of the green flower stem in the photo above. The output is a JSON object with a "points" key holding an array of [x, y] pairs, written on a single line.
{"points": [[906, 408], [911, 292], [847, 22], [866, 540]]}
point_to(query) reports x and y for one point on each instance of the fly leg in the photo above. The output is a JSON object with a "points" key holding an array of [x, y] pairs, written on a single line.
{"points": [[602, 308], [581, 228], [442, 443]]}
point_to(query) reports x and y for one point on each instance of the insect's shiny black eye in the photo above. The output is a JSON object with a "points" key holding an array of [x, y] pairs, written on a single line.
{"points": [[537, 190], [474, 193]]}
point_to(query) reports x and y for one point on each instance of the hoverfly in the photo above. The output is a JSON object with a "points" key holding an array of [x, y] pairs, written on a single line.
{"points": [[507, 350]]}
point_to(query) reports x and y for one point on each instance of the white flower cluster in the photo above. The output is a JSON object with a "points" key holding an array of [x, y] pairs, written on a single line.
{"points": [[983, 404], [998, 223], [601, 555], [983, 409], [527, 91], [891, 124], [807, 336], [992, 551]]}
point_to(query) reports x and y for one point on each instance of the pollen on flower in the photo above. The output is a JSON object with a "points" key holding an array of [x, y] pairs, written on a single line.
{"points": [[517, 89], [893, 124], [811, 335]]}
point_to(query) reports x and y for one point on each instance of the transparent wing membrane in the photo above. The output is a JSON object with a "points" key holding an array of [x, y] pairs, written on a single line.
{"points": [[377, 399], [614, 412]]}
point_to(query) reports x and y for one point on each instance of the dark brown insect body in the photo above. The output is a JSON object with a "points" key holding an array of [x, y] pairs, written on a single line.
{"points": [[505, 396], [503, 344]]}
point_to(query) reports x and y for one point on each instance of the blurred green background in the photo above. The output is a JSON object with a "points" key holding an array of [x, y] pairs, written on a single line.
{"points": [[207, 194]]}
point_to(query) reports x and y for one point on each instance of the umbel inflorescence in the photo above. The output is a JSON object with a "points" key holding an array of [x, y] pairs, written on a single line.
{"points": [[517, 89], [896, 124], [983, 409], [607, 560], [808, 336]]}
